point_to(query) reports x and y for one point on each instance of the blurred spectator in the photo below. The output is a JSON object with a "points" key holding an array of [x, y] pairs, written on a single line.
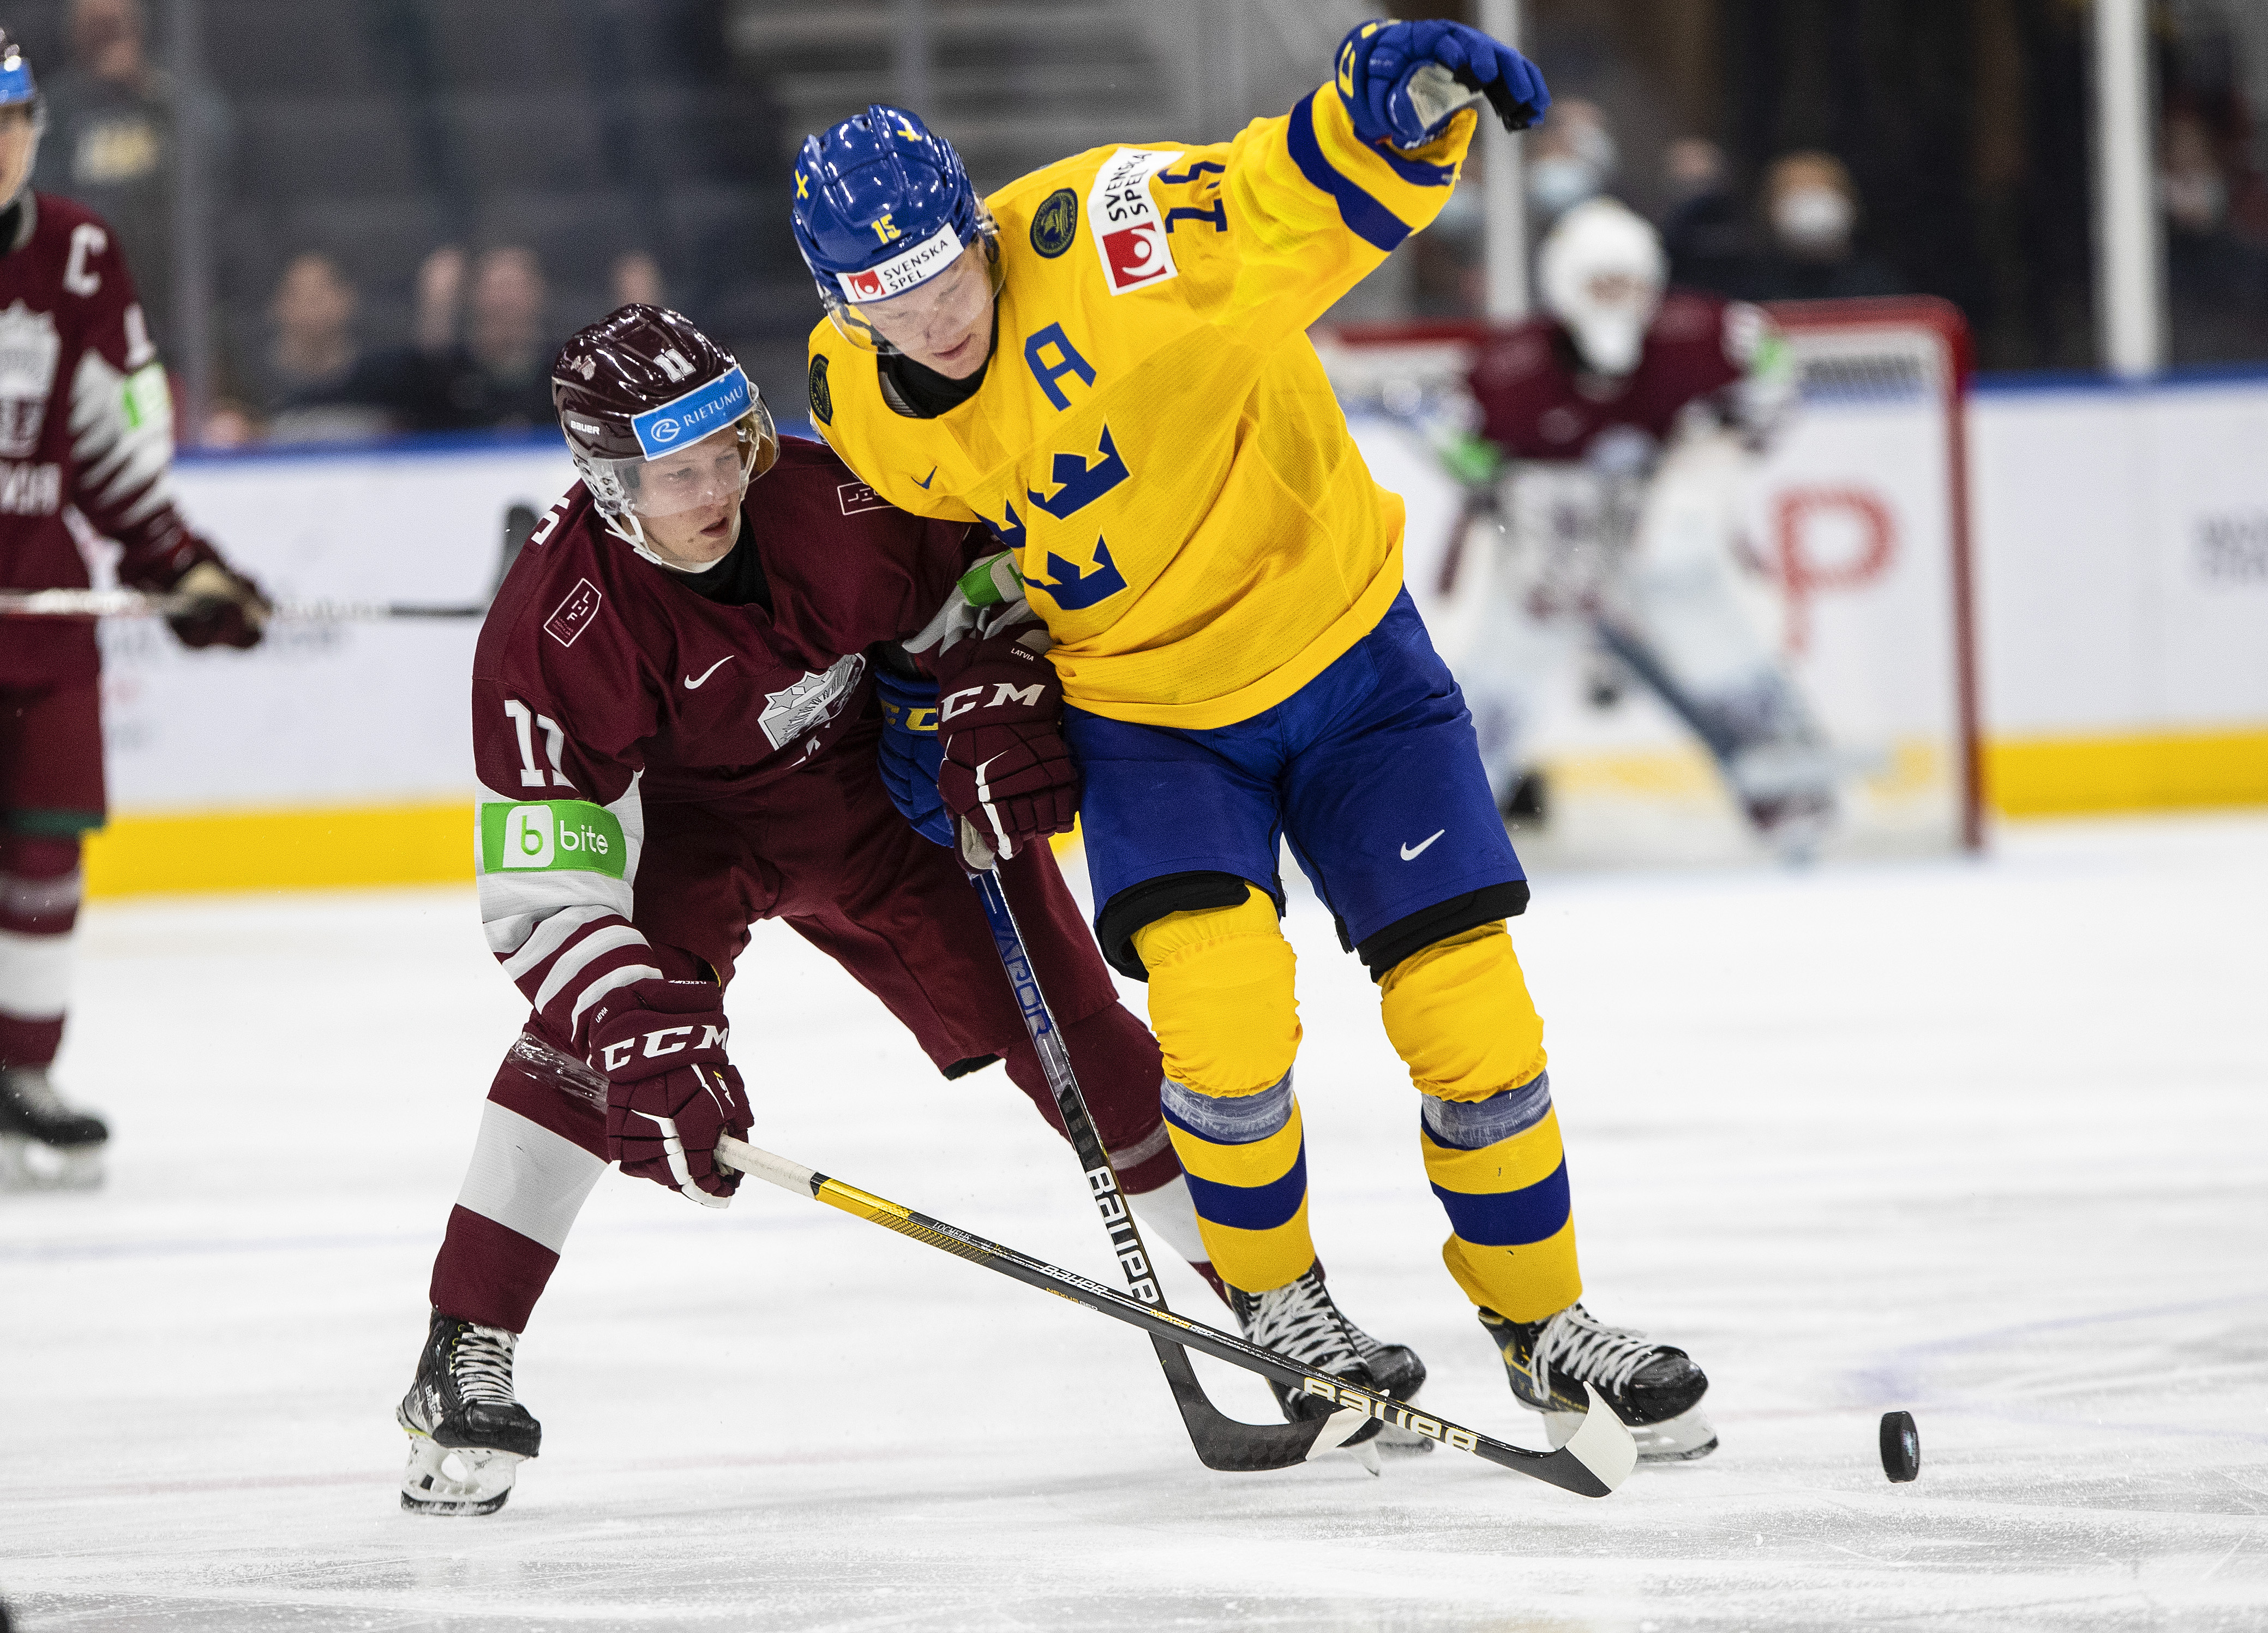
{"points": [[1571, 156], [2216, 258], [480, 353], [311, 385], [1703, 229], [2196, 193], [636, 280], [111, 141], [1811, 210]]}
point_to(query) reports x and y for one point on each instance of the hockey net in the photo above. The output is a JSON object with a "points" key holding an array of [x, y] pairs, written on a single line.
{"points": [[1857, 534]]}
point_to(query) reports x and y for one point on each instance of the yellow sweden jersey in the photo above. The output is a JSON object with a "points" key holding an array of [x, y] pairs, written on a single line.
{"points": [[1154, 435]]}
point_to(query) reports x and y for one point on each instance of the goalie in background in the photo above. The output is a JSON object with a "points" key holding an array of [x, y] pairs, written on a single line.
{"points": [[1617, 437]]}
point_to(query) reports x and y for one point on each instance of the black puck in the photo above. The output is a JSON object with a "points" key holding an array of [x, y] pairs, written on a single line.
{"points": [[1901, 1446]]}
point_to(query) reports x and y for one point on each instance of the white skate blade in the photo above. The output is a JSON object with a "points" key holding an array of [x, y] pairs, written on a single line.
{"points": [[1680, 1439], [456, 1479], [1393, 1440], [28, 1165]]}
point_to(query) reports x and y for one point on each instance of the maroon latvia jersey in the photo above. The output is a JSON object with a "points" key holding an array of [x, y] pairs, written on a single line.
{"points": [[87, 421], [605, 683], [1539, 403]]}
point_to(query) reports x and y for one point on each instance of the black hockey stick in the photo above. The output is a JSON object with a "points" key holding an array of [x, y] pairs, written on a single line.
{"points": [[1221, 1442], [520, 521], [1595, 1460]]}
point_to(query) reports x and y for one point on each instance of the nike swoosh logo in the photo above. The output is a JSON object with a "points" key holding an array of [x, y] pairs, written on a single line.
{"points": [[1411, 852], [694, 685], [926, 481]]}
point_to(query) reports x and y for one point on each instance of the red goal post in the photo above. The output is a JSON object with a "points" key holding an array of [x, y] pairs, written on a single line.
{"points": [[1862, 520]]}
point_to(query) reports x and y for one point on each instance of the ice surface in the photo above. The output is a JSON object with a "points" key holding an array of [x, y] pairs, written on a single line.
{"points": [[1986, 1142]]}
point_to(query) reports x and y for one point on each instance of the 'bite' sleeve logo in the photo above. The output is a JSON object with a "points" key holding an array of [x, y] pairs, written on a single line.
{"points": [[551, 835]]}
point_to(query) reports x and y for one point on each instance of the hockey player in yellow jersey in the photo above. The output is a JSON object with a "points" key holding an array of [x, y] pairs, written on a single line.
{"points": [[1106, 362]]}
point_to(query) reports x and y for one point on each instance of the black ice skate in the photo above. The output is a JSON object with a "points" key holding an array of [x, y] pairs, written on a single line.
{"points": [[1400, 1373], [1300, 1321], [466, 1433], [1655, 1390], [43, 1143]]}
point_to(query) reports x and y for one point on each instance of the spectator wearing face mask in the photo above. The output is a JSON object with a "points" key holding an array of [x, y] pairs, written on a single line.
{"points": [[1811, 211], [1571, 156]]}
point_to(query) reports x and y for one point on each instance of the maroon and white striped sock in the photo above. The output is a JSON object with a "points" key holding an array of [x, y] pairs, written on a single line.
{"points": [[540, 1148], [41, 886]]}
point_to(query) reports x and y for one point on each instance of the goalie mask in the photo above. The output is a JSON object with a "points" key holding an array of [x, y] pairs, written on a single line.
{"points": [[1602, 273], [18, 89], [660, 419]]}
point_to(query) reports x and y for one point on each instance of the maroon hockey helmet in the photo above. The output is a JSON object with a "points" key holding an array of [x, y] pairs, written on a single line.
{"points": [[643, 385]]}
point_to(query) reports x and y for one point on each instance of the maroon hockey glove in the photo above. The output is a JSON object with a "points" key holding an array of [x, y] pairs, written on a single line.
{"points": [[670, 1091], [229, 609], [1006, 768]]}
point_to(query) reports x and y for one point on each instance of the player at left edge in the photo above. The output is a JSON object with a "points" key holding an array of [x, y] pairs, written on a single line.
{"points": [[86, 423]]}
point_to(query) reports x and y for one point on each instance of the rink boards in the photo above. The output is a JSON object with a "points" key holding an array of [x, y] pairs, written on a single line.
{"points": [[2121, 573]]}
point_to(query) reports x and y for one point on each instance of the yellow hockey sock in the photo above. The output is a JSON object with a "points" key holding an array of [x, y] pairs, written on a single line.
{"points": [[1512, 1228], [1247, 1164], [1222, 1006], [1459, 1015]]}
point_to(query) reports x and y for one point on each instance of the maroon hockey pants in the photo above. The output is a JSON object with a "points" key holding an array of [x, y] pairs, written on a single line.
{"points": [[824, 849]]}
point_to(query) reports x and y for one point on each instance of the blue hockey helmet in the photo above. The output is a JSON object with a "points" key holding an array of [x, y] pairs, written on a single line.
{"points": [[18, 89], [882, 205], [17, 85]]}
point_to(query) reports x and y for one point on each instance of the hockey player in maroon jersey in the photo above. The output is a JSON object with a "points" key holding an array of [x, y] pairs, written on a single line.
{"points": [[85, 422], [1616, 434], [676, 732]]}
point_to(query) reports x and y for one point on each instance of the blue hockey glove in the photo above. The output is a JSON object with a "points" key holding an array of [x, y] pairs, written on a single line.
{"points": [[1402, 82], [911, 752]]}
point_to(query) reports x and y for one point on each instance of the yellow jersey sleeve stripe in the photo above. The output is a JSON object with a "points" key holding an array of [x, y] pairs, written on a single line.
{"points": [[1376, 193]]}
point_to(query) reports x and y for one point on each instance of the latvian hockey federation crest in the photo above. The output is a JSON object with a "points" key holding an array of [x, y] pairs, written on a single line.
{"points": [[29, 347], [811, 702]]}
